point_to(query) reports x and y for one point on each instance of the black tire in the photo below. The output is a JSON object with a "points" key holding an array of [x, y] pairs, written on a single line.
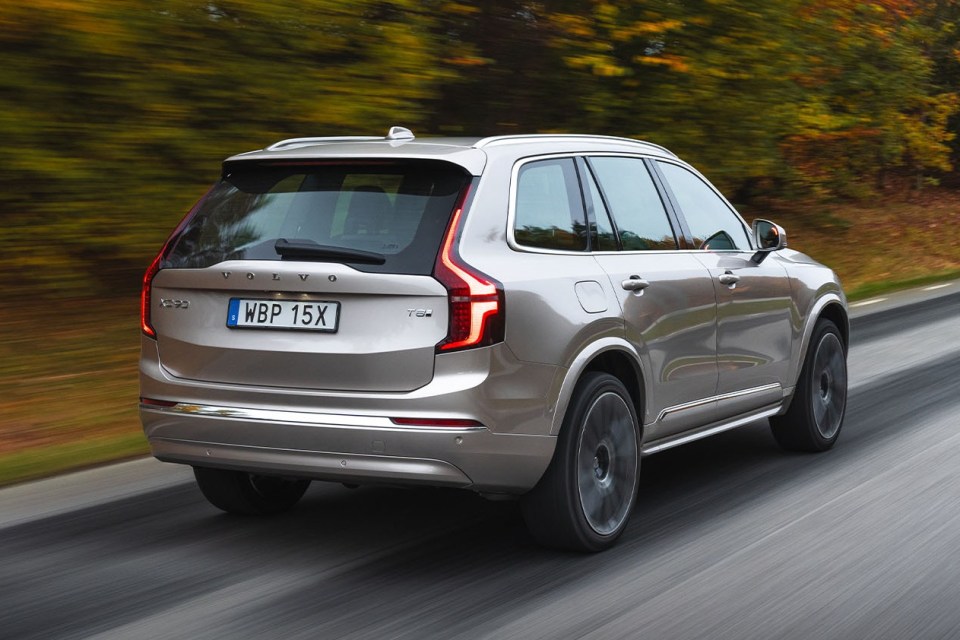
{"points": [[247, 493], [584, 500], [813, 421]]}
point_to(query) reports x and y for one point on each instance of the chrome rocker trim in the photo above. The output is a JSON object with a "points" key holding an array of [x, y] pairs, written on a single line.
{"points": [[725, 396], [668, 443]]}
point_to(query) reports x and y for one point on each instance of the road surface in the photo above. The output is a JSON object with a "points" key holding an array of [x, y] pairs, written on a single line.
{"points": [[731, 538]]}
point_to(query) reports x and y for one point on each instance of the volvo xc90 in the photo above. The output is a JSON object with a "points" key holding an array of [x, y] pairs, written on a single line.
{"points": [[520, 315]]}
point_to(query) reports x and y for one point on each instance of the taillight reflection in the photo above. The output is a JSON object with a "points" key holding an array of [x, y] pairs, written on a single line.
{"points": [[153, 402]]}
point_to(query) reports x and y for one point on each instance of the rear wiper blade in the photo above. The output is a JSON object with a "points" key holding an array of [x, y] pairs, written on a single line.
{"points": [[310, 250]]}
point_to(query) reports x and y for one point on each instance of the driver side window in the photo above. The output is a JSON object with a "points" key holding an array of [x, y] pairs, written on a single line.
{"points": [[715, 227]]}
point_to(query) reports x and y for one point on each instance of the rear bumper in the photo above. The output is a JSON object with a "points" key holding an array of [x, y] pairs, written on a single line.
{"points": [[349, 437], [345, 448]]}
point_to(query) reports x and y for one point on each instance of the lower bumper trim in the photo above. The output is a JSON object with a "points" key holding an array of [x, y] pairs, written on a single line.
{"points": [[336, 467]]}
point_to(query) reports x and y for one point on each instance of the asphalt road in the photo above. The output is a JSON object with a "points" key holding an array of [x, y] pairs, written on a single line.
{"points": [[731, 538]]}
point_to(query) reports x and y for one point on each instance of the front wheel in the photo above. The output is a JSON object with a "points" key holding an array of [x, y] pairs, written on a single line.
{"points": [[813, 421], [248, 493], [585, 498]]}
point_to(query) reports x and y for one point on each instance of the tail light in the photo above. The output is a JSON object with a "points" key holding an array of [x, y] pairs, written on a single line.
{"points": [[475, 299], [145, 325], [152, 270]]}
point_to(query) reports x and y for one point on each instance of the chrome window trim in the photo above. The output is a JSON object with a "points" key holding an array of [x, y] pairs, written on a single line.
{"points": [[512, 206]]}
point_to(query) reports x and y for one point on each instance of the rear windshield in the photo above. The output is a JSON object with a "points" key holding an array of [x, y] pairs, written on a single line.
{"points": [[397, 210]]}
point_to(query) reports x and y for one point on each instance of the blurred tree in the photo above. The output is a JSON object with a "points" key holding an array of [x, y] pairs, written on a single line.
{"points": [[510, 76], [705, 78], [115, 113], [941, 19], [870, 103], [825, 94]]}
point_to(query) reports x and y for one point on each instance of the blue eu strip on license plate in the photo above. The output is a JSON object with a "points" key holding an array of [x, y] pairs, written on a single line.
{"points": [[299, 315]]}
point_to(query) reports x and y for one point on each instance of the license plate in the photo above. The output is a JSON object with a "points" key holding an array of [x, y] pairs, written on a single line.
{"points": [[283, 314]]}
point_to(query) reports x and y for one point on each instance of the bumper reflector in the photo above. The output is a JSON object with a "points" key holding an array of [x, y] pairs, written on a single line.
{"points": [[437, 422]]}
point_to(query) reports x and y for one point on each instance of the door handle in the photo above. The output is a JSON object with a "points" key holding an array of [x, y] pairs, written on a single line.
{"points": [[728, 278], [634, 283]]}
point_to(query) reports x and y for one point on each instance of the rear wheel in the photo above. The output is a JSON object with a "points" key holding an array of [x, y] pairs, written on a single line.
{"points": [[248, 493], [816, 413], [585, 498]]}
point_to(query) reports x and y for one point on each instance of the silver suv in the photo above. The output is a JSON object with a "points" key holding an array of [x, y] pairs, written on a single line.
{"points": [[516, 315]]}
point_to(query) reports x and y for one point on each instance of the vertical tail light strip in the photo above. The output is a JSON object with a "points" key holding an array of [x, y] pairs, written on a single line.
{"points": [[476, 300], [145, 325]]}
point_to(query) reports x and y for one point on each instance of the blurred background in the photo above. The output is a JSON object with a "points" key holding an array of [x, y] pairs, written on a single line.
{"points": [[835, 118]]}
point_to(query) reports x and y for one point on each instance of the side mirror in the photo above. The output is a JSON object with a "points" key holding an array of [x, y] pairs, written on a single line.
{"points": [[768, 237]]}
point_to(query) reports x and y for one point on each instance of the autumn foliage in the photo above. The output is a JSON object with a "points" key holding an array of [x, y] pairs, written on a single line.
{"points": [[115, 113]]}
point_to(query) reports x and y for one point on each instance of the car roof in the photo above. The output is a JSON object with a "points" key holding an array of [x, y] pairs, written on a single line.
{"points": [[471, 153]]}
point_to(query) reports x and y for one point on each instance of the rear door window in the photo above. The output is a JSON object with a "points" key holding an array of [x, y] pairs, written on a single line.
{"points": [[634, 202], [396, 209]]}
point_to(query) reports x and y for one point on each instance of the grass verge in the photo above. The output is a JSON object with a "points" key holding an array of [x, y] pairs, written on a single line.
{"points": [[873, 289], [39, 462], [68, 386]]}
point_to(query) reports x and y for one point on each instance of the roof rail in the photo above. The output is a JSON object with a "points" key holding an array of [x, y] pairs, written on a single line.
{"points": [[566, 136], [395, 134], [296, 142]]}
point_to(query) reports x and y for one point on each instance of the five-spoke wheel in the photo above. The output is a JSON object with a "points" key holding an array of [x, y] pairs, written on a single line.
{"points": [[585, 498], [607, 463], [815, 416]]}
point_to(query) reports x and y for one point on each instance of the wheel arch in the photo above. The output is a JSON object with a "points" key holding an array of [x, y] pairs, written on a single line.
{"points": [[831, 306], [609, 355], [836, 313]]}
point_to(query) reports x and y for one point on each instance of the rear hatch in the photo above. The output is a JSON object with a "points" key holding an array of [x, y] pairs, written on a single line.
{"points": [[310, 275]]}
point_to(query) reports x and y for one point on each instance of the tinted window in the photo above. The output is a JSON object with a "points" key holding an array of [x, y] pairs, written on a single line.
{"points": [[549, 210], [713, 224], [635, 203], [602, 235], [397, 209]]}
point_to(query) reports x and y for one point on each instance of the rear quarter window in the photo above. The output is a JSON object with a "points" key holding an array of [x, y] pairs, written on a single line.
{"points": [[548, 208]]}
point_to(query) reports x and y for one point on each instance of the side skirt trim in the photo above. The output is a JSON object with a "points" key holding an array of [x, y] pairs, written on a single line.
{"points": [[725, 396], [675, 441]]}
